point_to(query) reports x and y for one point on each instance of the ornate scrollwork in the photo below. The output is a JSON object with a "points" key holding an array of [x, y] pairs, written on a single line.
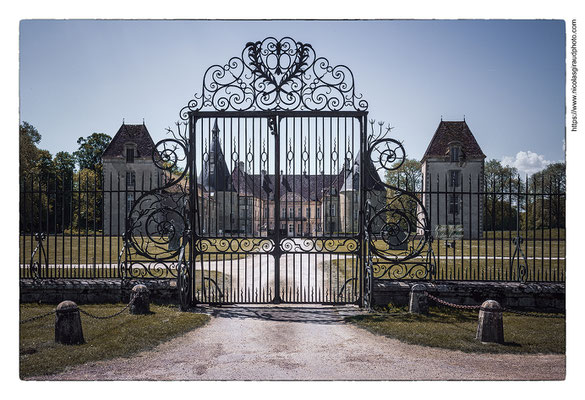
{"points": [[320, 244], [277, 74], [157, 225], [397, 222]]}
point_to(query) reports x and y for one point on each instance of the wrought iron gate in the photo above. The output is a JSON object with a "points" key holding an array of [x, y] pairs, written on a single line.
{"points": [[265, 186]]}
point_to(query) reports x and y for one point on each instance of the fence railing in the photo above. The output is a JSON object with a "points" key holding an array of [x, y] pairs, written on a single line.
{"points": [[510, 230]]}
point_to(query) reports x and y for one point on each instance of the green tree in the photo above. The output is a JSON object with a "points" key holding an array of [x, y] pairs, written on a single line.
{"points": [[546, 197], [89, 155], [408, 176], [29, 137], [501, 201], [35, 171], [64, 167], [87, 201]]}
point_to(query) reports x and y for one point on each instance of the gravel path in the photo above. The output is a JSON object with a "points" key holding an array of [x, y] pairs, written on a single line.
{"points": [[306, 343]]}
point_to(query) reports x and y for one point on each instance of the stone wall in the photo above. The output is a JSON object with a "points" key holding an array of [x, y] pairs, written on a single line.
{"points": [[90, 291], [542, 297]]}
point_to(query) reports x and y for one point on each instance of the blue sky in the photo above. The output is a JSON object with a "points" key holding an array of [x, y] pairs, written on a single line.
{"points": [[507, 77]]}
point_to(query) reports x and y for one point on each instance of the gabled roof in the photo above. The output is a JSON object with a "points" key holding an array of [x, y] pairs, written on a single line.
{"points": [[137, 134], [450, 132]]}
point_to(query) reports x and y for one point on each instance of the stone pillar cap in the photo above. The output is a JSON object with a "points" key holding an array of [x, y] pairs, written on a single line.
{"points": [[140, 288], [67, 305], [491, 305], [419, 287]]}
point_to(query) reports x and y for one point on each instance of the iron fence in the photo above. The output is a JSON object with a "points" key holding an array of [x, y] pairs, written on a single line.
{"points": [[510, 230]]}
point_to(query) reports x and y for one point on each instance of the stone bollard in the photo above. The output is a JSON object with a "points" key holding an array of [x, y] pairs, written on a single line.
{"points": [[141, 304], [68, 324], [490, 327], [419, 303]]}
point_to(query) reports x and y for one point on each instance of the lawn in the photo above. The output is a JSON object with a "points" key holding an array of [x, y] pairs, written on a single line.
{"points": [[120, 336], [456, 329], [100, 254]]}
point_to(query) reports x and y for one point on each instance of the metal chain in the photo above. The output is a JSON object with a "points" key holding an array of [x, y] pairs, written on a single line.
{"points": [[446, 303], [83, 312], [38, 317], [528, 314], [108, 316]]}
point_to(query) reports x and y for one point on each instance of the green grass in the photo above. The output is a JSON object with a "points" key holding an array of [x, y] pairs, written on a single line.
{"points": [[456, 329], [120, 336], [101, 254]]}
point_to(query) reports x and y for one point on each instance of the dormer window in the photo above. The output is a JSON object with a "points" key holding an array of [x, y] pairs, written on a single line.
{"points": [[129, 155], [455, 153]]}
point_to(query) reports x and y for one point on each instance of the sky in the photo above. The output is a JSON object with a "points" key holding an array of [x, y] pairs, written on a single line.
{"points": [[505, 77]]}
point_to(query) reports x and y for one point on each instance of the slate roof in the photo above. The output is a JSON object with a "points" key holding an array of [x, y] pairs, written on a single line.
{"points": [[137, 134], [453, 131], [352, 177], [309, 187], [219, 179]]}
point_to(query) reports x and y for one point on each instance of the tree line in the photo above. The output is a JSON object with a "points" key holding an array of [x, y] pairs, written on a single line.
{"points": [[509, 201], [60, 192]]}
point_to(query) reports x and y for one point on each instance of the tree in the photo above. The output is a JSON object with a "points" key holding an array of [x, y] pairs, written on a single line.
{"points": [[408, 176], [64, 166], [87, 201], [501, 201], [29, 137], [89, 155], [546, 198]]}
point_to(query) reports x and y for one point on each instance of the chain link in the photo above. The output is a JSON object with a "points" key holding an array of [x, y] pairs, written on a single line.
{"points": [[38, 317], [446, 303], [108, 316], [528, 314], [83, 312]]}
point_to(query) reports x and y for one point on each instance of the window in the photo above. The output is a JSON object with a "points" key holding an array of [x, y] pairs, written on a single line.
{"points": [[455, 152], [265, 212], [291, 212], [308, 212], [129, 201], [129, 155], [299, 212], [318, 226], [290, 228], [299, 228], [130, 178], [454, 204], [319, 212], [332, 210], [454, 178], [283, 213]]}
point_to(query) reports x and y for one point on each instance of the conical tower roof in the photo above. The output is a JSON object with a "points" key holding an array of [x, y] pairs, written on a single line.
{"points": [[352, 179], [215, 176]]}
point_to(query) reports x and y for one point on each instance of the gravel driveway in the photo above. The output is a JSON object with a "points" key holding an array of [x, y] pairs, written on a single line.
{"points": [[306, 343]]}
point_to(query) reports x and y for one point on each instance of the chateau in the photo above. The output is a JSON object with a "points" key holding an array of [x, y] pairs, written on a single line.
{"points": [[454, 164], [239, 202]]}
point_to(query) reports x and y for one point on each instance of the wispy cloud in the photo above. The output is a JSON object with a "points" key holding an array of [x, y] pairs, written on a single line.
{"points": [[527, 162]]}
